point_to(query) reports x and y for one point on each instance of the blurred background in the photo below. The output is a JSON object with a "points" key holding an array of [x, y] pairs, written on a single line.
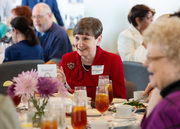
{"points": [[112, 13]]}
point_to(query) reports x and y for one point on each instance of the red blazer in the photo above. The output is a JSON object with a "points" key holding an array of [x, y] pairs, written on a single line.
{"points": [[77, 76]]}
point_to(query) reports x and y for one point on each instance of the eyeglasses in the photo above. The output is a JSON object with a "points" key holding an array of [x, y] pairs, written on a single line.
{"points": [[150, 59], [148, 18], [39, 16], [10, 29]]}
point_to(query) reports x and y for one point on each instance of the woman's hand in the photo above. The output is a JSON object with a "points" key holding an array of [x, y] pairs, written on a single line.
{"points": [[154, 100], [148, 91], [61, 75]]}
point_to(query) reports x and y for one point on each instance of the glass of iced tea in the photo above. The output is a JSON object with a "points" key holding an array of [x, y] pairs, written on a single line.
{"points": [[78, 115], [110, 91], [102, 99], [49, 123]]}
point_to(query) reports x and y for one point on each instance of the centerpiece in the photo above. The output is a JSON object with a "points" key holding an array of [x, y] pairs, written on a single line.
{"points": [[29, 85]]}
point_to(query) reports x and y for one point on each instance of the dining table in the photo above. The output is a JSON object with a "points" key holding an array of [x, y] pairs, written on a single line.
{"points": [[93, 115]]}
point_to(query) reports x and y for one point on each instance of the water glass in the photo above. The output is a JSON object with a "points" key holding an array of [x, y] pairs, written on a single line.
{"points": [[103, 80], [2, 49], [80, 94], [56, 111]]}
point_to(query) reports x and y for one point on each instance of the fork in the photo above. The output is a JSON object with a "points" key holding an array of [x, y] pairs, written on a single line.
{"points": [[142, 97]]}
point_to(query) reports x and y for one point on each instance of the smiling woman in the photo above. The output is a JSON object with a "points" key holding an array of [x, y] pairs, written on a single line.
{"points": [[163, 58], [80, 67]]}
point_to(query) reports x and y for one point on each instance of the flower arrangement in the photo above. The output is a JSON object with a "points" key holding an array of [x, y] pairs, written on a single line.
{"points": [[29, 84]]}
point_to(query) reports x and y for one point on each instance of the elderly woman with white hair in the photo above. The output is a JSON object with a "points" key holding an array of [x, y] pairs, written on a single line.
{"points": [[163, 59]]}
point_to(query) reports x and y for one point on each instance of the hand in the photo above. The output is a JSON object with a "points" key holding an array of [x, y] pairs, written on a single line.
{"points": [[154, 100], [60, 75], [148, 91]]}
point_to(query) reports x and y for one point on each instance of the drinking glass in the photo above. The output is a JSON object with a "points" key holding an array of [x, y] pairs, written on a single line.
{"points": [[102, 99], [16, 100], [78, 115], [110, 91], [57, 112], [49, 123], [103, 80]]}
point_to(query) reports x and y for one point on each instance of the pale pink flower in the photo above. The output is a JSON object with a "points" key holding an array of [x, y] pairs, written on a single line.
{"points": [[26, 83]]}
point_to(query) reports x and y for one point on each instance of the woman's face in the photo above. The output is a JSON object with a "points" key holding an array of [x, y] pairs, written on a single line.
{"points": [[86, 45], [162, 71], [13, 34], [146, 21]]}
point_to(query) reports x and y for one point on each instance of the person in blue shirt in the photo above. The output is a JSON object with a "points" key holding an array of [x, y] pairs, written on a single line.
{"points": [[52, 4], [52, 37], [26, 45]]}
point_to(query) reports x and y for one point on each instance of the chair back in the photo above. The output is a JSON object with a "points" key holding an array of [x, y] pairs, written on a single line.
{"points": [[130, 88], [136, 73], [11, 69]]}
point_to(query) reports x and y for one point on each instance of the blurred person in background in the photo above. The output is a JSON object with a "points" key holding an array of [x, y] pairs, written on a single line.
{"points": [[5, 10], [3, 29], [163, 58], [131, 46], [5, 14], [18, 11], [52, 4], [26, 46], [84, 66], [52, 37], [8, 115], [24, 11]]}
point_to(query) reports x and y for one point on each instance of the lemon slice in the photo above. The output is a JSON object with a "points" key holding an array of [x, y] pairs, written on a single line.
{"points": [[7, 83], [108, 85]]}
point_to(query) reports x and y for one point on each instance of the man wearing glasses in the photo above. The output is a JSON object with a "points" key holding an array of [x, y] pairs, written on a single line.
{"points": [[53, 38], [52, 4]]}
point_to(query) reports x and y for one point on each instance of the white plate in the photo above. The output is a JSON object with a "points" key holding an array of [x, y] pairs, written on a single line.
{"points": [[120, 122], [132, 117], [93, 112], [119, 100], [117, 122]]}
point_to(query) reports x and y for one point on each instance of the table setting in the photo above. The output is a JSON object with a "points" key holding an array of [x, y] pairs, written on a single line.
{"points": [[55, 108]]}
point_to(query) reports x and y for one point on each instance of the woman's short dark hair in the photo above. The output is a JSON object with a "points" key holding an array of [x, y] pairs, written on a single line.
{"points": [[89, 26], [140, 11], [22, 24]]}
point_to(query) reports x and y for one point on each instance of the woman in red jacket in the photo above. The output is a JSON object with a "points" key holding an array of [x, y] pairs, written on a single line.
{"points": [[84, 66]]}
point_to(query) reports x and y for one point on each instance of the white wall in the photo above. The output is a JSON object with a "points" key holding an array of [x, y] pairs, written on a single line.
{"points": [[70, 9], [113, 14]]}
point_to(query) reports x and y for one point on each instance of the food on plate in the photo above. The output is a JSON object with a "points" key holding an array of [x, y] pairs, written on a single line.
{"points": [[136, 104]]}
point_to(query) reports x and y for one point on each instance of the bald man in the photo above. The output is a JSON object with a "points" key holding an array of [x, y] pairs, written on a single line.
{"points": [[53, 38]]}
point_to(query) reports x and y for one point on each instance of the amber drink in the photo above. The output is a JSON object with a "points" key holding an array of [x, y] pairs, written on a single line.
{"points": [[78, 117], [110, 91], [102, 102], [47, 124]]}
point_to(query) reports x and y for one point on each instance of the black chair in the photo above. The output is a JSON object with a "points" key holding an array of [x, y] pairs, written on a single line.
{"points": [[136, 73], [11, 69], [130, 88]]}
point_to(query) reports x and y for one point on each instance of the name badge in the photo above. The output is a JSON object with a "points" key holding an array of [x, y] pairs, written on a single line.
{"points": [[97, 69], [47, 70]]}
